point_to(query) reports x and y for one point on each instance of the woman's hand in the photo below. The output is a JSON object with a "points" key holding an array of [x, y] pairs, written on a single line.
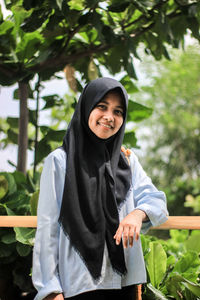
{"points": [[130, 228], [54, 297]]}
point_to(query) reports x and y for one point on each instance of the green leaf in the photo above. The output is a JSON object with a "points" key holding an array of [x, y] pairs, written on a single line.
{"points": [[193, 243], [25, 235], [175, 282], [19, 177], [23, 250], [194, 288], [34, 203], [12, 136], [130, 68], [18, 202], [55, 135], [138, 112], [12, 187], [5, 26], [129, 85], [130, 140], [28, 45], [179, 235], [156, 262], [156, 294], [1, 15], [3, 186], [8, 238], [77, 5], [43, 150], [171, 260], [52, 100], [188, 265], [13, 122], [9, 211]]}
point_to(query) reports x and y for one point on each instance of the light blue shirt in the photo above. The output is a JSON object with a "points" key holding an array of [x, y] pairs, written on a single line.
{"points": [[57, 267]]}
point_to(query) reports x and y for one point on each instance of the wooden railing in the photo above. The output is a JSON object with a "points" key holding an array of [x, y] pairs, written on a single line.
{"points": [[178, 222]]}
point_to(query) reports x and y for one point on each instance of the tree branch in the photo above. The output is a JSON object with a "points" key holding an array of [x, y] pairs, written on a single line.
{"points": [[62, 60]]}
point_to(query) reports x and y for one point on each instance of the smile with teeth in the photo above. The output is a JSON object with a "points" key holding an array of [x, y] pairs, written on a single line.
{"points": [[105, 125]]}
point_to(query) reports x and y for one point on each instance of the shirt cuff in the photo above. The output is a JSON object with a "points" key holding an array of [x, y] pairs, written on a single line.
{"points": [[52, 286]]}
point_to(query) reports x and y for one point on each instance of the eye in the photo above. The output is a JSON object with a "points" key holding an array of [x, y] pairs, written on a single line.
{"points": [[119, 112], [101, 106]]}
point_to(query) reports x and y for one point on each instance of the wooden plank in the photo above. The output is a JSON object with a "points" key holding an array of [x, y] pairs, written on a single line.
{"points": [[181, 222], [18, 221], [178, 222]]}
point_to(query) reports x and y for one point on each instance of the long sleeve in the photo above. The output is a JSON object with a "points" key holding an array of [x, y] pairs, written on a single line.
{"points": [[147, 197], [45, 255]]}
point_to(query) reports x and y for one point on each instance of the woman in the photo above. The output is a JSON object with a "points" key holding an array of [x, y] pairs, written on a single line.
{"points": [[94, 201]]}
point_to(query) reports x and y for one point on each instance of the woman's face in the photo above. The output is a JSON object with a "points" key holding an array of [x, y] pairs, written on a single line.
{"points": [[107, 117]]}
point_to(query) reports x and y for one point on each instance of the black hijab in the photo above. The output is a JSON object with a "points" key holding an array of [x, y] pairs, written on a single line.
{"points": [[96, 182]]}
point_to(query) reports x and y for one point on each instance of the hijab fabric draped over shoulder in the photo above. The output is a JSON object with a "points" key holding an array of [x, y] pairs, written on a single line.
{"points": [[96, 183]]}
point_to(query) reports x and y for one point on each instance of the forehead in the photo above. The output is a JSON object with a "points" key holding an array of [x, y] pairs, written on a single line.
{"points": [[113, 97]]}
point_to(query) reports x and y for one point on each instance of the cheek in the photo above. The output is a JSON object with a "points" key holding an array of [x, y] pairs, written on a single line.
{"points": [[92, 119], [120, 122]]}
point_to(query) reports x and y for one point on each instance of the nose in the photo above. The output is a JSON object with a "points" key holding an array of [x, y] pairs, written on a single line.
{"points": [[108, 116]]}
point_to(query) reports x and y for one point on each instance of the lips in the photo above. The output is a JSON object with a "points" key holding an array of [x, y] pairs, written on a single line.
{"points": [[106, 125]]}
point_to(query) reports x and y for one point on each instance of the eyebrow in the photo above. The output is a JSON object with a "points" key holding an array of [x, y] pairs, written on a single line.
{"points": [[118, 106]]}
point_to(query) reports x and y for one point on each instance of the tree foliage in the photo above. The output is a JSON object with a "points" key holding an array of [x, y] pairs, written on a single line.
{"points": [[173, 157], [43, 37]]}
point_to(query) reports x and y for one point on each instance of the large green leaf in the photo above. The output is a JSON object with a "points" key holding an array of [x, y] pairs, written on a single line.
{"points": [[130, 139], [188, 265], [8, 238], [156, 263], [13, 122], [52, 100], [43, 150], [138, 112], [194, 288], [23, 250], [155, 293], [77, 5], [193, 243], [28, 45], [25, 235], [3, 186], [12, 187], [176, 284], [129, 85], [34, 203], [5, 26]]}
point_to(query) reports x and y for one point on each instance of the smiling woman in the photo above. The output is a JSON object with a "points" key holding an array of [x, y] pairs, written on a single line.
{"points": [[93, 204], [107, 116]]}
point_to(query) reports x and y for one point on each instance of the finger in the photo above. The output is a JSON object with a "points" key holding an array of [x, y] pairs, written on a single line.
{"points": [[125, 236], [118, 234], [123, 149], [137, 233], [131, 236]]}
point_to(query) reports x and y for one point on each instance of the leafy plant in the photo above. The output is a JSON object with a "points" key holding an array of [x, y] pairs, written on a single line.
{"points": [[173, 266], [18, 196]]}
